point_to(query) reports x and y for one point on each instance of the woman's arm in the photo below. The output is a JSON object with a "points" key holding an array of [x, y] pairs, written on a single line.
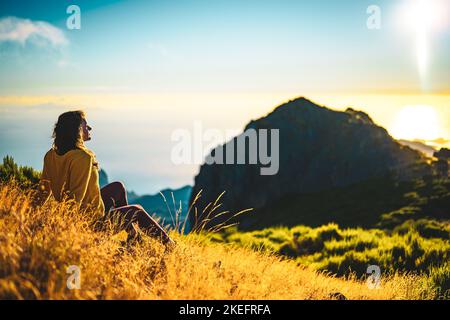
{"points": [[79, 175], [44, 189]]}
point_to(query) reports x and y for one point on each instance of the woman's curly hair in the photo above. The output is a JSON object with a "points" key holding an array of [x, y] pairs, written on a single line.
{"points": [[67, 134]]}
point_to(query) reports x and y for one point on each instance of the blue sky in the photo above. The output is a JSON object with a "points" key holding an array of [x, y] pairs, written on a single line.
{"points": [[142, 69], [218, 45]]}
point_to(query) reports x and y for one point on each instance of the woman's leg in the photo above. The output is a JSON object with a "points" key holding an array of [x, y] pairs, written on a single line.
{"points": [[114, 195], [135, 213]]}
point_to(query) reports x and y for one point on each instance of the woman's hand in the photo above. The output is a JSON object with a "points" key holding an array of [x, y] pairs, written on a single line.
{"points": [[42, 194]]}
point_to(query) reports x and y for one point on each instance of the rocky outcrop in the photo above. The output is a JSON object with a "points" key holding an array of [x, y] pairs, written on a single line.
{"points": [[319, 149]]}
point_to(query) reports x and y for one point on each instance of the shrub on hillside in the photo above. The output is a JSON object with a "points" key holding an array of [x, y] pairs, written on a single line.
{"points": [[426, 228], [23, 175]]}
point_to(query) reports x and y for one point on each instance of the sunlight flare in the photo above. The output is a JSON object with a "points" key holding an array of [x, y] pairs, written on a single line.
{"points": [[416, 122], [424, 18]]}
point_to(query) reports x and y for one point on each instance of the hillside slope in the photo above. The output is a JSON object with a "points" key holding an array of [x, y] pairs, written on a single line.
{"points": [[37, 245]]}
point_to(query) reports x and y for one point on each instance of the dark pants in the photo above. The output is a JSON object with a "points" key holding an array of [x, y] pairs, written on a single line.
{"points": [[114, 197]]}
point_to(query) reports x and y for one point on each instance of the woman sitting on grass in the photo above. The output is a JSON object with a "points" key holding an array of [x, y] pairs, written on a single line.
{"points": [[70, 169]]}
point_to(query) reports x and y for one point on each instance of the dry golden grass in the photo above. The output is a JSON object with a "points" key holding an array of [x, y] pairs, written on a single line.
{"points": [[38, 244]]}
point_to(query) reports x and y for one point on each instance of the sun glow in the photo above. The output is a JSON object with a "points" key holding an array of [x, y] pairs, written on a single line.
{"points": [[417, 122], [424, 18]]}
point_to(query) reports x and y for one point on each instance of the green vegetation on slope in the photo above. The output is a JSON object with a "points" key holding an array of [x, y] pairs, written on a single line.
{"points": [[420, 247], [382, 202]]}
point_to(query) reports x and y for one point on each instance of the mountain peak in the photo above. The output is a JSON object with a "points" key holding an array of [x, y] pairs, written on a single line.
{"points": [[319, 149], [300, 102]]}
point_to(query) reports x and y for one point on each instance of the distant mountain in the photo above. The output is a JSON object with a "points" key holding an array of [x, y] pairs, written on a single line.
{"points": [[439, 143], [155, 204], [322, 151], [132, 196], [103, 178], [165, 206], [419, 146]]}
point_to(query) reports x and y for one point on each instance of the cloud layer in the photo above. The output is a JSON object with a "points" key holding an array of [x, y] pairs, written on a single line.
{"points": [[20, 30]]}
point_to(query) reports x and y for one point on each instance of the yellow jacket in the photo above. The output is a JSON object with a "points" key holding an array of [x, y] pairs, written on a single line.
{"points": [[74, 174]]}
